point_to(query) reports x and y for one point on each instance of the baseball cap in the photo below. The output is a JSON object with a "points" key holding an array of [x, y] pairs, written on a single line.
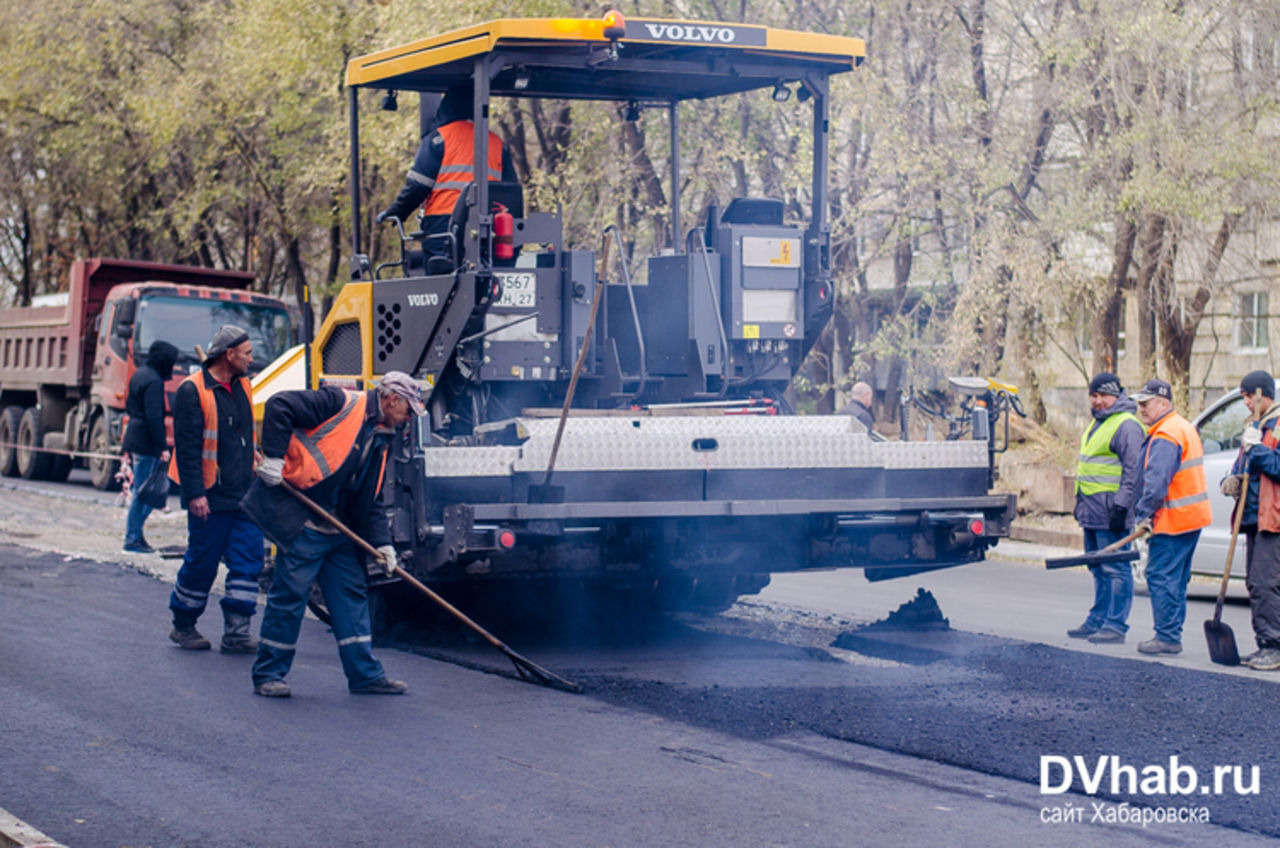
{"points": [[1154, 389], [400, 383], [227, 337]]}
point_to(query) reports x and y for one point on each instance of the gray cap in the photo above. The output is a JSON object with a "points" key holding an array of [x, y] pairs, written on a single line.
{"points": [[227, 337], [1153, 389], [400, 383]]}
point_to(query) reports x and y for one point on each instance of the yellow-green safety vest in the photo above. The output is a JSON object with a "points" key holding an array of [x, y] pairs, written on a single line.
{"points": [[1099, 470]]}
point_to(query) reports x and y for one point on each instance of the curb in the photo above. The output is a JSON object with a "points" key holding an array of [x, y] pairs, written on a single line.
{"points": [[15, 833], [1044, 536]]}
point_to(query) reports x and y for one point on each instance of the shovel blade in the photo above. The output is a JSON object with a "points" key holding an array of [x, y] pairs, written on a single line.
{"points": [[1094, 558], [1222, 643]]}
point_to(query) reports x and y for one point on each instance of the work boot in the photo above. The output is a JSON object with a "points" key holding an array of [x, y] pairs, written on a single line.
{"points": [[382, 687], [1159, 646], [1107, 637], [189, 639], [236, 638], [272, 689], [1267, 659], [1084, 631]]}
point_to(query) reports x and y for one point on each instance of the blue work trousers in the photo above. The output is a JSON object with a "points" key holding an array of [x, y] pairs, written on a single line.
{"points": [[1168, 570], [1112, 585], [138, 511], [330, 560], [227, 536]]}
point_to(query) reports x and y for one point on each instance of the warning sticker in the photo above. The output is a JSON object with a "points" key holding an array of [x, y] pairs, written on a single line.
{"points": [[758, 252], [751, 331]]}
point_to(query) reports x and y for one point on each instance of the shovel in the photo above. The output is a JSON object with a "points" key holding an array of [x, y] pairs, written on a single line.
{"points": [[1111, 553], [1222, 642], [527, 669]]}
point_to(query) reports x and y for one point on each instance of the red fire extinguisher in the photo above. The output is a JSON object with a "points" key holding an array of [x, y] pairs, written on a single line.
{"points": [[504, 230]]}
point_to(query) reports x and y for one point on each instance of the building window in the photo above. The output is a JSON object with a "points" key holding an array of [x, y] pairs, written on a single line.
{"points": [[1251, 323]]}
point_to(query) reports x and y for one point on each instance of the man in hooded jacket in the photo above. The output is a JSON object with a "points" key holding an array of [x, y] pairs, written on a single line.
{"points": [[144, 438], [1106, 487]]}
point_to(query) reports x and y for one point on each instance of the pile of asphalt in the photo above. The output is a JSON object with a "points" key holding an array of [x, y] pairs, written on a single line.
{"points": [[997, 706]]}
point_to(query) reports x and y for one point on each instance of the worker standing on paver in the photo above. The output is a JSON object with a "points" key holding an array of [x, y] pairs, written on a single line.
{"points": [[213, 464], [1260, 459], [1106, 487], [1173, 505], [332, 444], [444, 164], [144, 439]]}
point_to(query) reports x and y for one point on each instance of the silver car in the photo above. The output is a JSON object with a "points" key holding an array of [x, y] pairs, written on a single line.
{"points": [[1220, 426]]}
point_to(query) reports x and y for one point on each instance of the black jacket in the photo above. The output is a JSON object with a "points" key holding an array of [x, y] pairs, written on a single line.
{"points": [[860, 412], [145, 434], [235, 444], [350, 493]]}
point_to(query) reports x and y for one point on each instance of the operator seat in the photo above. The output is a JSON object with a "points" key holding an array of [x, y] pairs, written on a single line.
{"points": [[445, 249], [753, 210]]}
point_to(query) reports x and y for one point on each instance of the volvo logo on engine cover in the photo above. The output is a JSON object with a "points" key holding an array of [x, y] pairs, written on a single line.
{"points": [[429, 299], [695, 33]]}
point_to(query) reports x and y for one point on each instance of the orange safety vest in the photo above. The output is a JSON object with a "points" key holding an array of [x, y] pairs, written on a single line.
{"points": [[1268, 493], [457, 168], [315, 454], [1186, 503], [209, 444]]}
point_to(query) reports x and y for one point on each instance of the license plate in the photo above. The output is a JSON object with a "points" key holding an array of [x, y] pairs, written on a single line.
{"points": [[519, 291]]}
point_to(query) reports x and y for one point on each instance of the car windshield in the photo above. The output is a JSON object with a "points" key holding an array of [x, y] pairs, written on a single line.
{"points": [[188, 322], [1221, 430]]}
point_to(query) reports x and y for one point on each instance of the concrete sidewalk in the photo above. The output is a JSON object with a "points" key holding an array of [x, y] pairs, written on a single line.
{"points": [[15, 833]]}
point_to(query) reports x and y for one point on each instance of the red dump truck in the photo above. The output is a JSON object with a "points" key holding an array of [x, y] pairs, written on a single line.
{"points": [[66, 360]]}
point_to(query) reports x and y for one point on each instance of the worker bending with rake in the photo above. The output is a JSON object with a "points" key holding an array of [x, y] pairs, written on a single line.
{"points": [[332, 445]]}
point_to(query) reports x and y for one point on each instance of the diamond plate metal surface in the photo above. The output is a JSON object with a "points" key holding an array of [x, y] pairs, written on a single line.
{"points": [[728, 442]]}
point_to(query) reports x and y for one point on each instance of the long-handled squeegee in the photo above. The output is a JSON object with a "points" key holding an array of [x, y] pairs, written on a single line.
{"points": [[527, 669], [1111, 553]]}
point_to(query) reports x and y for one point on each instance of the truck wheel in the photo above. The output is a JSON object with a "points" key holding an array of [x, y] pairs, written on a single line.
{"points": [[59, 468], [33, 462], [10, 417], [102, 472]]}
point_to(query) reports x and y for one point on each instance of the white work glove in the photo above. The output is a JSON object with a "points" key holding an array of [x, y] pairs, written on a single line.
{"points": [[1143, 528], [387, 565], [1251, 438], [271, 471], [1231, 485]]}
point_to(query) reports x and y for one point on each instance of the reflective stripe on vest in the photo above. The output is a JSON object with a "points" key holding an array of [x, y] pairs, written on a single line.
{"points": [[315, 454], [209, 436], [1098, 469], [1186, 503], [457, 168]]}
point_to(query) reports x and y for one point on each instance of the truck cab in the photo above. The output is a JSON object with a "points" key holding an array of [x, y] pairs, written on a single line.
{"points": [[66, 361]]}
